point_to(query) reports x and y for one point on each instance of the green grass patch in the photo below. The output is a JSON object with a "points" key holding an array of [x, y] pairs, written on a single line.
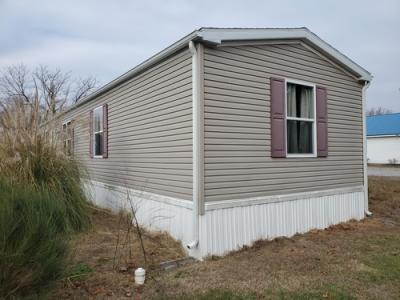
{"points": [[328, 292], [331, 292], [213, 294], [80, 270], [381, 256]]}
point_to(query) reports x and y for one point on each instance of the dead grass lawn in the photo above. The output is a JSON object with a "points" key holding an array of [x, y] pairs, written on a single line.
{"points": [[354, 260]]}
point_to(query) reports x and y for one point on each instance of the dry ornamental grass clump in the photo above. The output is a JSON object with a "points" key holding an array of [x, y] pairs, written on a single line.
{"points": [[42, 201]]}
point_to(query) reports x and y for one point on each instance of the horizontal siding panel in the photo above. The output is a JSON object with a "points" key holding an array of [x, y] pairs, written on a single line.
{"points": [[232, 105], [151, 187], [228, 135], [281, 191], [179, 133], [239, 118], [310, 59], [244, 56], [209, 98], [248, 170], [266, 158], [178, 119], [140, 165], [143, 176], [172, 89], [157, 117], [275, 54], [216, 123], [183, 125], [150, 131], [293, 175], [234, 111], [279, 184], [237, 135], [173, 180], [173, 96]]}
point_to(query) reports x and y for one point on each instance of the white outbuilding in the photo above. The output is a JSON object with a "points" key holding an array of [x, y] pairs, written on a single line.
{"points": [[383, 139]]}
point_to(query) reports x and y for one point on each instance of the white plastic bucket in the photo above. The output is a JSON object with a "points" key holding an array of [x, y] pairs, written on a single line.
{"points": [[140, 275]]}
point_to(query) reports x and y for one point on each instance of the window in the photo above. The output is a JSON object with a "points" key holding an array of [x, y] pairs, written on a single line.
{"points": [[300, 119], [67, 138], [98, 131]]}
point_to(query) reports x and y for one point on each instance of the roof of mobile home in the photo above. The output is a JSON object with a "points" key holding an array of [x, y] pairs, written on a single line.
{"points": [[218, 36], [382, 125]]}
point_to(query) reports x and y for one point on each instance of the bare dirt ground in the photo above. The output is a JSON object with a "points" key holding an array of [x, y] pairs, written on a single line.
{"points": [[103, 260], [354, 260]]}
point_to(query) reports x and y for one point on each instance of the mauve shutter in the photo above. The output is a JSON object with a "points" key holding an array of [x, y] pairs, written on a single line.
{"points": [[105, 131], [278, 145], [91, 134], [322, 121]]}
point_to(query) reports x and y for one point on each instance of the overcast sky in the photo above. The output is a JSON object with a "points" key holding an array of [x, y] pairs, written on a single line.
{"points": [[107, 38]]}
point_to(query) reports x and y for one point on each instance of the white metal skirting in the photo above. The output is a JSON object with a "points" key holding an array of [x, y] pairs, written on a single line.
{"points": [[153, 211], [228, 229], [229, 225]]}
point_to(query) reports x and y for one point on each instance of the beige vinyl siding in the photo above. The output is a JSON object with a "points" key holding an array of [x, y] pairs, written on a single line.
{"points": [[150, 131], [238, 161]]}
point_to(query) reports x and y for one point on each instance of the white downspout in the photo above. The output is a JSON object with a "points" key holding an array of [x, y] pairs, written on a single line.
{"points": [[196, 143], [365, 158]]}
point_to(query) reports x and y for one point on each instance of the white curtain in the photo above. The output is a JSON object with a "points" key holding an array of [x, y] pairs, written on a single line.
{"points": [[300, 104], [291, 100], [305, 142], [291, 112], [306, 103]]}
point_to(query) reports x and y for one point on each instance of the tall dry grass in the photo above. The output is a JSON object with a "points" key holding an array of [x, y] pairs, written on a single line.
{"points": [[42, 201], [31, 153]]}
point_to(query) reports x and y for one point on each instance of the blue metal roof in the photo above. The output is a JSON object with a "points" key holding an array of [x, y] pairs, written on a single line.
{"points": [[383, 124]]}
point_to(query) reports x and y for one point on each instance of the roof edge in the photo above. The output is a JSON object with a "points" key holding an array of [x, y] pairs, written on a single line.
{"points": [[217, 36], [139, 68]]}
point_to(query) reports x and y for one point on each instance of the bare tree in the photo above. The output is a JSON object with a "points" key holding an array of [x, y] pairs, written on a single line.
{"points": [[54, 90], [374, 111]]}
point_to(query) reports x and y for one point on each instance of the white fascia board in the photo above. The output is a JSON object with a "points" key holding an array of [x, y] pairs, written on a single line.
{"points": [[217, 36]]}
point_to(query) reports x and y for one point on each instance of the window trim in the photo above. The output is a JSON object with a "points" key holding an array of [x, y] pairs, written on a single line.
{"points": [[314, 120], [94, 131], [67, 138]]}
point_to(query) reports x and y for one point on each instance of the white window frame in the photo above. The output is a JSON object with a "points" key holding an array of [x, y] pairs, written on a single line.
{"points": [[100, 131], [314, 120], [67, 138]]}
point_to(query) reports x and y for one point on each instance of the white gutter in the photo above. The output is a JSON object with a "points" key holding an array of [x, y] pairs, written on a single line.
{"points": [[364, 106], [196, 143]]}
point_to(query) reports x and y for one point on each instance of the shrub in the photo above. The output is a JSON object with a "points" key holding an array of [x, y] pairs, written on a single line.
{"points": [[33, 239], [30, 153], [42, 200]]}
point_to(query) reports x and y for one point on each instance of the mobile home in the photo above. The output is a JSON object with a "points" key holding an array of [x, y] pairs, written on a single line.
{"points": [[229, 136]]}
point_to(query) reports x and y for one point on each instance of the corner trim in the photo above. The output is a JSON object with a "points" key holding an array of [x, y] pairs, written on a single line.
{"points": [[279, 198]]}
